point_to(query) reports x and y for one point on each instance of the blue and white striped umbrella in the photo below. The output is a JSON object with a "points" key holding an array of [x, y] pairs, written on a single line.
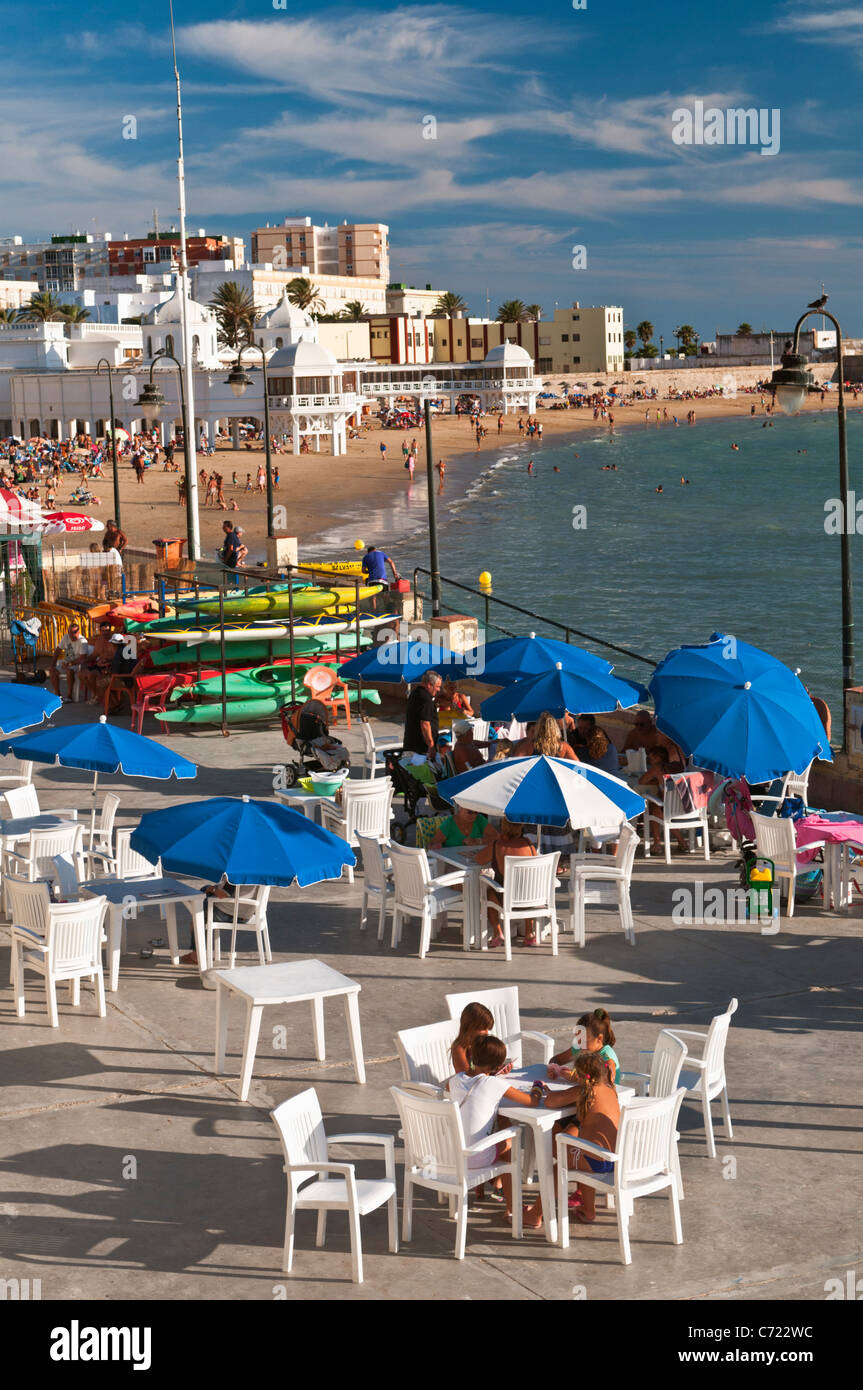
{"points": [[545, 791]]}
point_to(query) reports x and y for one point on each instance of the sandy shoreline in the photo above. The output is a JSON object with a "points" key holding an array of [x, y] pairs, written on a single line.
{"points": [[331, 502]]}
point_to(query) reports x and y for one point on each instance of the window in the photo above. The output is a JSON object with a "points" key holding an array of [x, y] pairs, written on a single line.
{"points": [[576, 317], [165, 253], [459, 343], [169, 343], [564, 337], [280, 342], [576, 337], [576, 360], [546, 364], [149, 253], [545, 342]]}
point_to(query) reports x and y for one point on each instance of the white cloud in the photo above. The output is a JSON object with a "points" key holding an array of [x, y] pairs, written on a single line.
{"points": [[412, 51]]}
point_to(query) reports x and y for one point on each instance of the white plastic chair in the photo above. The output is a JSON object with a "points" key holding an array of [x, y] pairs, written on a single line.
{"points": [[676, 817], [366, 809], [24, 801], [18, 774], [374, 749], [663, 1079], [425, 1056], [27, 905], [529, 889], [793, 784], [437, 1157], [100, 838], [308, 1167], [418, 894], [36, 858], [642, 1163], [252, 904], [609, 879], [504, 1007], [704, 1076], [71, 949], [377, 880], [66, 876], [128, 863], [775, 839]]}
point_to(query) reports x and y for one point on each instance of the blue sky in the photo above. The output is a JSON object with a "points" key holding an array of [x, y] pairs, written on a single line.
{"points": [[553, 130]]}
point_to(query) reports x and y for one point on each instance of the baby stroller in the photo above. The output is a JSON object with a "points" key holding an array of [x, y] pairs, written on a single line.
{"points": [[414, 793], [307, 756]]}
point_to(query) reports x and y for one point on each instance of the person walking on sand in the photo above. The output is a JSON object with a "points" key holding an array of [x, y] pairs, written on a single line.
{"points": [[410, 465], [383, 452], [441, 473], [262, 478]]}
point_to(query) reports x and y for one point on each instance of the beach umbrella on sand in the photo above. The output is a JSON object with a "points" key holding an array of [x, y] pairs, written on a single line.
{"points": [[99, 747], [737, 710], [579, 692], [545, 791], [253, 842], [23, 705], [519, 658]]}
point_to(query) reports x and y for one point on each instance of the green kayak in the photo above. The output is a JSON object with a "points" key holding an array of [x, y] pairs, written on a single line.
{"points": [[255, 651], [262, 683], [280, 603], [241, 711]]}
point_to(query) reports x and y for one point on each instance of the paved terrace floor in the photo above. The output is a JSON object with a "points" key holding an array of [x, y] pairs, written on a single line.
{"points": [[86, 1106]]}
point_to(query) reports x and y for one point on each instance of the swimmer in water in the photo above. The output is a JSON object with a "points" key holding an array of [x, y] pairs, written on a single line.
{"points": [[555, 469], [658, 489], [684, 482], [736, 447], [530, 466]]}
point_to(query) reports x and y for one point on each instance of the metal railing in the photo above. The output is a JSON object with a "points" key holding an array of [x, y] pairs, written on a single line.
{"points": [[488, 598]]}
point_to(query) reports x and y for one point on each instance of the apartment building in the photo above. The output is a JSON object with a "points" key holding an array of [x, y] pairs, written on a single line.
{"points": [[580, 339], [406, 299], [160, 251], [267, 284], [357, 249], [61, 263]]}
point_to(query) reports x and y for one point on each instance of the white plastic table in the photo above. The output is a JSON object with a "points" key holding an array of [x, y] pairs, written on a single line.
{"points": [[541, 1119], [148, 892], [309, 803], [464, 857], [291, 983]]}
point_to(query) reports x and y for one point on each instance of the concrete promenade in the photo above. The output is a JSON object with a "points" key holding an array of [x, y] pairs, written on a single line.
{"points": [[128, 1171]]}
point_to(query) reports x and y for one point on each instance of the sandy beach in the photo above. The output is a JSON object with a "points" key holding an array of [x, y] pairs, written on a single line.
{"points": [[321, 494]]}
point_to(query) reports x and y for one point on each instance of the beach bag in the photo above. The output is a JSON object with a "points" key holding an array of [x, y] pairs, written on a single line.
{"points": [[793, 807]]}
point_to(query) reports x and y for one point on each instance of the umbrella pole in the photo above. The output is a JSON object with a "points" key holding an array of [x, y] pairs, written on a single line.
{"points": [[93, 809]]}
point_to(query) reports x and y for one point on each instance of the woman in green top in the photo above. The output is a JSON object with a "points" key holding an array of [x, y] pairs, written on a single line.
{"points": [[459, 828]]}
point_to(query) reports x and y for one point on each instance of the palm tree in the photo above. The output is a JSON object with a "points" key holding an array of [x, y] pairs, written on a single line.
{"points": [[235, 313], [304, 294], [73, 313], [630, 338], [9, 316], [744, 330], [511, 311], [449, 305], [687, 335], [43, 307], [354, 311], [645, 332], [534, 312]]}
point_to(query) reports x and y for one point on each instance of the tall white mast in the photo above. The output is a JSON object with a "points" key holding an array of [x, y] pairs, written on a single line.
{"points": [[188, 365]]}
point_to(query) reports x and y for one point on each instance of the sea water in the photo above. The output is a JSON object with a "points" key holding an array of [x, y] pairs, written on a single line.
{"points": [[742, 548]]}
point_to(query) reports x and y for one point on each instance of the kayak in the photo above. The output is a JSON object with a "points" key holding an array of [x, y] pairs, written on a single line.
{"points": [[351, 567], [281, 602], [172, 630], [260, 683], [241, 711], [253, 652]]}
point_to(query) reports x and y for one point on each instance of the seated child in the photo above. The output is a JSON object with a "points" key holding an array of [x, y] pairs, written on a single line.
{"points": [[475, 1022], [597, 1116], [594, 1033], [479, 1095]]}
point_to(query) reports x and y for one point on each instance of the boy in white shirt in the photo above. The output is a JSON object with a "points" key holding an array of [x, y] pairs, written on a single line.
{"points": [[479, 1094]]}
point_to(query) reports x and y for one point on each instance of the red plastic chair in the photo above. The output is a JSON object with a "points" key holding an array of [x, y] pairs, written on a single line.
{"points": [[151, 693], [321, 682]]}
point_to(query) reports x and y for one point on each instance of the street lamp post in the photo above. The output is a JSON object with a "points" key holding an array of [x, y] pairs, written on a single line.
{"points": [[113, 438], [790, 383], [152, 400], [239, 382]]}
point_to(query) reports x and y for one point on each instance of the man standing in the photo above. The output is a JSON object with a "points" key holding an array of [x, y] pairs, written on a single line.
{"points": [[231, 546], [421, 718]]}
